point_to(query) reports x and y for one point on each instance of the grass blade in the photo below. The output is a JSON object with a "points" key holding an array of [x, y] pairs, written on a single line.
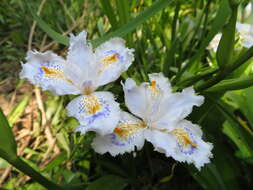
{"points": [[109, 11], [8, 146], [46, 28], [134, 23], [233, 84]]}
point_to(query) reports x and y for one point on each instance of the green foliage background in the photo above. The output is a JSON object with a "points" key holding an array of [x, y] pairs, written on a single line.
{"points": [[169, 36]]}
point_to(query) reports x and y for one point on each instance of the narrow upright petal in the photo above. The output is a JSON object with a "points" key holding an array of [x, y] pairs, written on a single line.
{"points": [[126, 136], [112, 58], [80, 52], [160, 81], [148, 100], [47, 71], [135, 97], [96, 112]]}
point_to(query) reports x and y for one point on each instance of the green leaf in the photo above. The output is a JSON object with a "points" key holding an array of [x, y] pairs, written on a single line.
{"points": [[226, 45], [8, 146], [233, 84], [220, 20], [123, 11], [236, 132], [134, 23], [56, 162], [109, 182], [46, 28], [209, 178], [18, 110], [242, 100]]}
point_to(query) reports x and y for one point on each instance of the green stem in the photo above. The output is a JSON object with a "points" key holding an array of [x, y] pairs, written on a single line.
{"points": [[223, 73], [192, 80], [28, 170], [174, 22]]}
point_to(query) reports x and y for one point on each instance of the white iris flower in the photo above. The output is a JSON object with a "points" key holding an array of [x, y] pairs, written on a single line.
{"points": [[162, 123], [82, 73], [246, 34]]}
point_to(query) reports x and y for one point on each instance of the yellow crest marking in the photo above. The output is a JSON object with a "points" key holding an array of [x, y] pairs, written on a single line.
{"points": [[50, 72], [54, 73], [153, 88], [111, 58], [125, 130], [92, 104], [183, 137], [107, 61]]}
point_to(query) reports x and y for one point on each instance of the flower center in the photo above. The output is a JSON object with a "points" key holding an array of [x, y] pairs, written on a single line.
{"points": [[87, 87], [183, 137], [125, 130], [92, 104]]}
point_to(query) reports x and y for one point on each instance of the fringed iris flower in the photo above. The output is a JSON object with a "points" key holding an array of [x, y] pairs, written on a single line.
{"points": [[82, 72], [162, 122]]}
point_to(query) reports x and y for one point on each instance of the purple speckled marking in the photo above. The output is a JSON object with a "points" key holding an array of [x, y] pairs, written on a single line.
{"points": [[192, 148], [103, 113], [115, 141], [39, 75]]}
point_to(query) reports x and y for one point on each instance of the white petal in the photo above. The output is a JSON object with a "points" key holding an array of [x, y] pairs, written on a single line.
{"points": [[96, 112], [199, 154], [161, 81], [121, 140], [113, 58], [47, 71], [160, 140], [135, 97], [246, 34], [80, 52], [215, 42], [243, 28], [247, 43], [147, 99], [183, 143], [178, 106]]}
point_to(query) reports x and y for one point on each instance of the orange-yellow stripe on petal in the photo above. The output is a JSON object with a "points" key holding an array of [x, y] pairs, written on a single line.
{"points": [[183, 137], [92, 104], [125, 130], [107, 61]]}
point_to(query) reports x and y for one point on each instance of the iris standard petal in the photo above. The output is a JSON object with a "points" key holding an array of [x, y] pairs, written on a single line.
{"points": [[112, 58], [47, 71], [148, 99], [160, 81], [135, 97], [126, 136], [96, 112], [80, 52]]}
